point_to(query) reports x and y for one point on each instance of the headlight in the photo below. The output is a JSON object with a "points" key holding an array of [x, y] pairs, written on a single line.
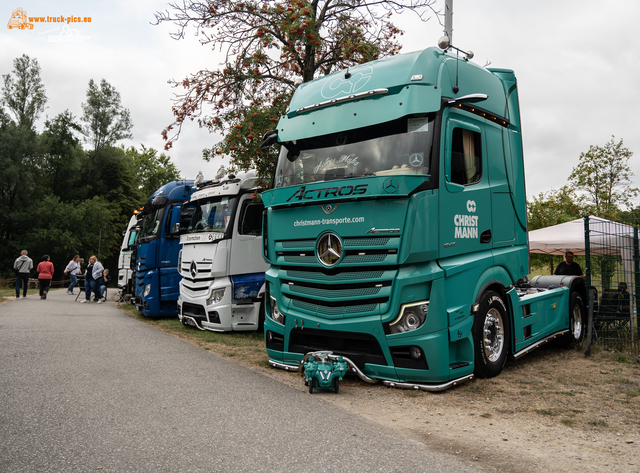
{"points": [[276, 315], [216, 296], [147, 290], [412, 316]]}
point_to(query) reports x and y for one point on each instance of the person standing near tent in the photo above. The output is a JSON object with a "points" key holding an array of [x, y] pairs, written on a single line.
{"points": [[568, 267]]}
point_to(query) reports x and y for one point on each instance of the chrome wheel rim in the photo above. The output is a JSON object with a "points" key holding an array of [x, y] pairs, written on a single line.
{"points": [[577, 321], [493, 335]]}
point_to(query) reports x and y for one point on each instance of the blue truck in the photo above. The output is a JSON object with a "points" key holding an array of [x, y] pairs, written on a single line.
{"points": [[157, 280]]}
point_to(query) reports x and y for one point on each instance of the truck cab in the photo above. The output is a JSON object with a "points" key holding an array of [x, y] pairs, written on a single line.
{"points": [[156, 275], [221, 262], [125, 266], [396, 231]]}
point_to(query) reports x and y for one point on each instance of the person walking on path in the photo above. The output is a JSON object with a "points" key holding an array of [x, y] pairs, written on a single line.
{"points": [[106, 279], [92, 275], [73, 269], [22, 266], [45, 274]]}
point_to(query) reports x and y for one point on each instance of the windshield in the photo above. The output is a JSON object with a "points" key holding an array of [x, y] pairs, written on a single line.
{"points": [[151, 224], [133, 237], [212, 215], [403, 146]]}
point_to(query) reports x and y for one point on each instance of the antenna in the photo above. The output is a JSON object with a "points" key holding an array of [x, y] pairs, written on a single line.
{"points": [[446, 42], [448, 20]]}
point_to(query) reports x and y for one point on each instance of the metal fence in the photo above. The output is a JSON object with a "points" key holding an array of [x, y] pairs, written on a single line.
{"points": [[613, 274]]}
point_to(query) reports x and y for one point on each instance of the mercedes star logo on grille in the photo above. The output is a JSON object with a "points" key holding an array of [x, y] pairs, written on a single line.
{"points": [[193, 269], [329, 249]]}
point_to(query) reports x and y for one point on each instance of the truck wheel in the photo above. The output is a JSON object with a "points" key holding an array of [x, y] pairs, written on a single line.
{"points": [[336, 385], [310, 385], [491, 336], [576, 321]]}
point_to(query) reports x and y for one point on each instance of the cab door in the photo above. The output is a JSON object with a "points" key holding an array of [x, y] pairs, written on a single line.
{"points": [[246, 246], [465, 199]]}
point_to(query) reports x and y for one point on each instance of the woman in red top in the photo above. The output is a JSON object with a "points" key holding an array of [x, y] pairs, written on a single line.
{"points": [[45, 274]]}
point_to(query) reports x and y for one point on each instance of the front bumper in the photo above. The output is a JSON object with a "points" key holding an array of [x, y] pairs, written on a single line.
{"points": [[393, 384], [224, 316]]}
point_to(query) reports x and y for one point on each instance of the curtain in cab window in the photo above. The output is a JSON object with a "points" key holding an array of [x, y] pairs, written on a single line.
{"points": [[466, 157]]}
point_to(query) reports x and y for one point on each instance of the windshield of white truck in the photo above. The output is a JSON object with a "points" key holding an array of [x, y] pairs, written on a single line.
{"points": [[212, 215], [403, 146]]}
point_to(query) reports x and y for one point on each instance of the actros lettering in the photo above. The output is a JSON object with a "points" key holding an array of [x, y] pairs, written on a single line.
{"points": [[304, 194]]}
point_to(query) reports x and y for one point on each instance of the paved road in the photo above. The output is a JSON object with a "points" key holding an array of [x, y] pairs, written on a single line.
{"points": [[84, 387]]}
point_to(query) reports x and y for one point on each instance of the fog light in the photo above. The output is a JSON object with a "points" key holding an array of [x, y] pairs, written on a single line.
{"points": [[415, 353], [147, 290], [216, 296]]}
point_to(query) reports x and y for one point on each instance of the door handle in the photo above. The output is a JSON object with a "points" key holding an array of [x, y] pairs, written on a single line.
{"points": [[485, 237]]}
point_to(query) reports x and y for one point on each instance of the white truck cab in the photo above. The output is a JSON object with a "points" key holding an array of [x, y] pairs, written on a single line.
{"points": [[125, 273], [221, 258]]}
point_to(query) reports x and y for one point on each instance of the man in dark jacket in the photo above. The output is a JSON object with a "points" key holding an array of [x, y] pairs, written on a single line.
{"points": [[568, 267], [22, 266], [103, 281]]}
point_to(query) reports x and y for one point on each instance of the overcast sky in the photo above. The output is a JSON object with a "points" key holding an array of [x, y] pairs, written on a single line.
{"points": [[575, 60]]}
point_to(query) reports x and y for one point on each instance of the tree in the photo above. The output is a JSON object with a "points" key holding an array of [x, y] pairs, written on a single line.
{"points": [[64, 158], [152, 171], [107, 121], [270, 47], [604, 175], [23, 92], [552, 208]]}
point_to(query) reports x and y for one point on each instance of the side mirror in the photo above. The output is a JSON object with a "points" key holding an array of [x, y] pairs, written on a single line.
{"points": [[269, 138], [175, 229]]}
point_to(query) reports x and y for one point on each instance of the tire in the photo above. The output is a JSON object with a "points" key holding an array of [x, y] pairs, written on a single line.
{"points": [[490, 336], [577, 318], [336, 385], [310, 385]]}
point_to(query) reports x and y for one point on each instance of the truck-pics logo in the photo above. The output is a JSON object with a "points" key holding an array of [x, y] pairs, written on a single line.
{"points": [[467, 225], [304, 194], [19, 20], [348, 83]]}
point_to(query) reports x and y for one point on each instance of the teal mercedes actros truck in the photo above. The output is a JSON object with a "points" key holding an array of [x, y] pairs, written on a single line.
{"points": [[396, 231]]}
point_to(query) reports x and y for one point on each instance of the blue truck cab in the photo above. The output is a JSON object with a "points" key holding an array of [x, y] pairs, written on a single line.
{"points": [[157, 278]]}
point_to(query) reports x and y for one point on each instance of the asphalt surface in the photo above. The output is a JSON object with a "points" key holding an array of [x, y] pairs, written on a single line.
{"points": [[84, 387]]}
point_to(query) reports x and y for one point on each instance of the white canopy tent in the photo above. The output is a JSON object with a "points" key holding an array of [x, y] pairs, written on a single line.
{"points": [[605, 238]]}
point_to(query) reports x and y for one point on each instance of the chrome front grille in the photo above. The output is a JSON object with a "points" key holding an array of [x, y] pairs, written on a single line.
{"points": [[355, 287]]}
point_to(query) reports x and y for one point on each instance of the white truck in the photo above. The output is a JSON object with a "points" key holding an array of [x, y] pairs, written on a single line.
{"points": [[125, 273], [221, 258]]}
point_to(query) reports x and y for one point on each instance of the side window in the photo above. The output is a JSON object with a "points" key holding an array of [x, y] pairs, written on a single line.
{"points": [[466, 157], [251, 219], [185, 217]]}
